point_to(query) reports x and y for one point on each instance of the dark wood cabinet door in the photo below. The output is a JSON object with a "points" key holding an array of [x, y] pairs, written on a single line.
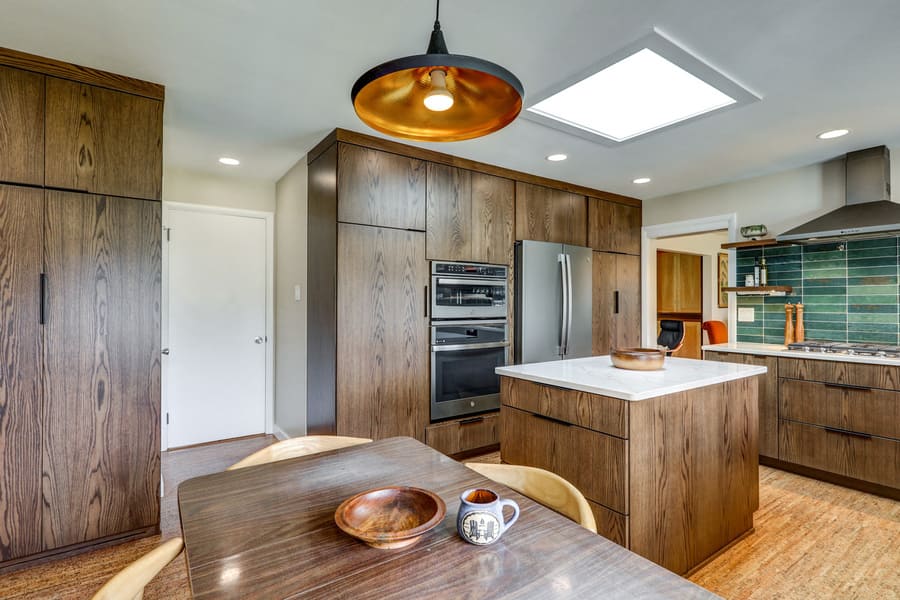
{"points": [[382, 342], [103, 142], [21, 126], [101, 367], [628, 284], [493, 219], [549, 215], [449, 213], [379, 188], [614, 227], [602, 312], [21, 225]]}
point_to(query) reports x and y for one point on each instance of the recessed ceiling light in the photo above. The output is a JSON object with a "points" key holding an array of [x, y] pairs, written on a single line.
{"points": [[557, 157], [834, 133], [646, 86], [231, 162], [641, 180]]}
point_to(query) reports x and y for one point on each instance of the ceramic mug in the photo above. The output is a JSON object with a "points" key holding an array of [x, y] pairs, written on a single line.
{"points": [[480, 519]]}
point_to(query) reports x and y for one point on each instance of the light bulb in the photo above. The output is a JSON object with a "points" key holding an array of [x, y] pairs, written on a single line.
{"points": [[439, 98]]}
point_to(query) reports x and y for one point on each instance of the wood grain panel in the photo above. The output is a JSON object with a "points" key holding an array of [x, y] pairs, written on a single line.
{"points": [[464, 435], [871, 411], [449, 213], [378, 188], [610, 524], [603, 317], [101, 367], [679, 282], [885, 377], [614, 227], [21, 126], [591, 411], [382, 342], [321, 305], [628, 284], [493, 219], [102, 141], [550, 215], [21, 227]]}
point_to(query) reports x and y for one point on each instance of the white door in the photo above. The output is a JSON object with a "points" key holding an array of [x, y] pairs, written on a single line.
{"points": [[216, 384]]}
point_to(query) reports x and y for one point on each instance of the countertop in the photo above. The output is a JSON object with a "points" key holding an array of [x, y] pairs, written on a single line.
{"points": [[779, 350], [597, 375]]}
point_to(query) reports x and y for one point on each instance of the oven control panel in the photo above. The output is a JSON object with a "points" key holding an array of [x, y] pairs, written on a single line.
{"points": [[477, 270]]}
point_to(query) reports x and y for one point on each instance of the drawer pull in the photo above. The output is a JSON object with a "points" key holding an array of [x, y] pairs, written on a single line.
{"points": [[847, 386], [551, 419], [472, 421], [850, 433]]}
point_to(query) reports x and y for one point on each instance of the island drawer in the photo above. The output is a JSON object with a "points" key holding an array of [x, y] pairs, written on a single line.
{"points": [[463, 435], [884, 377], [858, 409], [595, 463], [610, 524], [868, 458], [591, 411]]}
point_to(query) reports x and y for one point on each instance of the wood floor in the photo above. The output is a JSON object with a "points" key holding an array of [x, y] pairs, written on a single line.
{"points": [[813, 540]]}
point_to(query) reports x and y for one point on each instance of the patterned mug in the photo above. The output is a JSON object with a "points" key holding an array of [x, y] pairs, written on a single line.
{"points": [[480, 520]]}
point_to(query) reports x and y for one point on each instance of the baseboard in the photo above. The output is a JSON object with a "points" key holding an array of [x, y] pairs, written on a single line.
{"points": [[279, 433]]}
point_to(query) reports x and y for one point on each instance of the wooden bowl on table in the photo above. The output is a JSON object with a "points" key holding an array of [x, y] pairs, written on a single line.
{"points": [[638, 359], [390, 517]]}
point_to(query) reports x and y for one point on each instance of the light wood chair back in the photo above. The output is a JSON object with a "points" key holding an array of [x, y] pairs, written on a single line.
{"points": [[298, 446], [129, 583], [544, 487]]}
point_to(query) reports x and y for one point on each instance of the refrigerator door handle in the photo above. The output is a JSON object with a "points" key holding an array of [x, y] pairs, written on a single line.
{"points": [[569, 309], [564, 308]]}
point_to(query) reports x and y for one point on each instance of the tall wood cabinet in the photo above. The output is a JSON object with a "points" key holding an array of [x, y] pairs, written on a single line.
{"points": [[79, 308], [616, 312], [614, 226]]}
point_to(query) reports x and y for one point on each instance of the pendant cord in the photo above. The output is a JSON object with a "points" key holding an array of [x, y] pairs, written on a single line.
{"points": [[437, 15]]}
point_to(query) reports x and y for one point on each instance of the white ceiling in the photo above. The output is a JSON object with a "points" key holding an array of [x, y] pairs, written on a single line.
{"points": [[264, 80]]}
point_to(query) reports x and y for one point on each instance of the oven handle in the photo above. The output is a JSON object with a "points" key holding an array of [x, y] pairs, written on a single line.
{"points": [[469, 346], [485, 282], [446, 322]]}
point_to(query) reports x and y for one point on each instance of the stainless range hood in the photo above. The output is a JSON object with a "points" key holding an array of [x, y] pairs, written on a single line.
{"points": [[868, 212]]}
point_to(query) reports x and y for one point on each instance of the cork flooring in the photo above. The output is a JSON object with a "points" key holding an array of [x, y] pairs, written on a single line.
{"points": [[813, 540]]}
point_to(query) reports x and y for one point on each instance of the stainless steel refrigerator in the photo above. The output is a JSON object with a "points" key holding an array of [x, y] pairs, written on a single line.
{"points": [[552, 301]]}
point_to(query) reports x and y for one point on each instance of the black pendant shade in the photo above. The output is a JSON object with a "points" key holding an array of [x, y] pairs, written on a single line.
{"points": [[437, 96]]}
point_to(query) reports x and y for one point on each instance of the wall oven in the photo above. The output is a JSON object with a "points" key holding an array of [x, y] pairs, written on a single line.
{"points": [[467, 291], [464, 355]]}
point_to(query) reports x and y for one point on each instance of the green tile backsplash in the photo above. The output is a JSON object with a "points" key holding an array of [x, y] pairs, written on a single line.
{"points": [[849, 291]]}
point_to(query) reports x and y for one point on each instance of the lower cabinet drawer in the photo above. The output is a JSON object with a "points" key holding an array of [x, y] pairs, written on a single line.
{"points": [[863, 410], [868, 458], [610, 524], [462, 435]]}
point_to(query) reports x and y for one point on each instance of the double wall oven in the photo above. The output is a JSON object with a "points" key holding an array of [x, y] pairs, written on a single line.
{"points": [[469, 337]]}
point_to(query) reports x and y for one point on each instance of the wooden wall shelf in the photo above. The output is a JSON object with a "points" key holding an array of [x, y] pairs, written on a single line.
{"points": [[755, 244], [768, 290]]}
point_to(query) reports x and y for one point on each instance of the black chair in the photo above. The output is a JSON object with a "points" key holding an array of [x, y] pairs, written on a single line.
{"points": [[671, 335]]}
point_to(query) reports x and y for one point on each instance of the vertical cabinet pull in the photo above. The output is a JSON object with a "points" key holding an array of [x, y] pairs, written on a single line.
{"points": [[42, 301], [616, 302], [426, 301]]}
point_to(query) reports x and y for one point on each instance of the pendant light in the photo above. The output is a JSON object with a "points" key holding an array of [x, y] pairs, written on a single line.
{"points": [[437, 96]]}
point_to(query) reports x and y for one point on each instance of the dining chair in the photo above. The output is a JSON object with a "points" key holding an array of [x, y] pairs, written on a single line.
{"points": [[543, 487], [129, 583], [717, 331], [298, 446], [671, 335]]}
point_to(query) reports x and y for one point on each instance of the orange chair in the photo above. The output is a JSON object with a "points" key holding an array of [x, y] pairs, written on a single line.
{"points": [[716, 331]]}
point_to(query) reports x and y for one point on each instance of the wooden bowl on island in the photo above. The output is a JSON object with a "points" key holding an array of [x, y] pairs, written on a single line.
{"points": [[390, 517], [638, 359]]}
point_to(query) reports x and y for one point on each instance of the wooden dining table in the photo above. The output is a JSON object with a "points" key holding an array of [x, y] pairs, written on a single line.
{"points": [[268, 532]]}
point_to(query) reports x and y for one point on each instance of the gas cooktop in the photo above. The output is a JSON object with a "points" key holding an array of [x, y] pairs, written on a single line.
{"points": [[850, 349]]}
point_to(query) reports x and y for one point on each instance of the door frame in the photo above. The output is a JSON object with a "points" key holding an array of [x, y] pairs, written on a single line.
{"points": [[687, 227], [269, 219]]}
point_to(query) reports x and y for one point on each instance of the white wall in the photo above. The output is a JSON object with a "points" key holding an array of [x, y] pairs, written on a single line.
{"points": [[229, 191], [707, 245], [290, 315]]}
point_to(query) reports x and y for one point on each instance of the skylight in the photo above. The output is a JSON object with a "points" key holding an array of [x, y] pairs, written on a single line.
{"points": [[650, 85]]}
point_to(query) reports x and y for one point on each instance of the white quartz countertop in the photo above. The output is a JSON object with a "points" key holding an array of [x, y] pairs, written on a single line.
{"points": [[779, 350], [597, 375]]}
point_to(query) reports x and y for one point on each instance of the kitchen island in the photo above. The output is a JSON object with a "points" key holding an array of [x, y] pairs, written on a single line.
{"points": [[667, 459]]}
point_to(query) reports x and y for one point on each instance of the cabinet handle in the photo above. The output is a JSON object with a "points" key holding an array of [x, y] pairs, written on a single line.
{"points": [[864, 436], [472, 421], [551, 419], [616, 302], [42, 308], [847, 386], [426, 301]]}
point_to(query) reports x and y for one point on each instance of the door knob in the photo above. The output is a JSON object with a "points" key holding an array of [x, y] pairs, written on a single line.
{"points": [[258, 340]]}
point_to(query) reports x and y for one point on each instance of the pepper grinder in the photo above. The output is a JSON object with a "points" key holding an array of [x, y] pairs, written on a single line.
{"points": [[799, 330], [788, 324]]}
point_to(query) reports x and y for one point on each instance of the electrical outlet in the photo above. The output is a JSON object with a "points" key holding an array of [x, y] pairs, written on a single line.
{"points": [[746, 315], [297, 293]]}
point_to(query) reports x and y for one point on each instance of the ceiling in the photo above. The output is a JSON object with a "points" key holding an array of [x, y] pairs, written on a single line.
{"points": [[264, 80]]}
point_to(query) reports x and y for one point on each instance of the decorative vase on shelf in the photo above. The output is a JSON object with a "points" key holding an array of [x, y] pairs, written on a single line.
{"points": [[799, 330], [788, 324]]}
